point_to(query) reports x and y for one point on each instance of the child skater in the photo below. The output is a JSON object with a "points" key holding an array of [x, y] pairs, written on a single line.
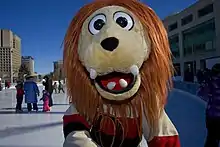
{"points": [[45, 99], [19, 96]]}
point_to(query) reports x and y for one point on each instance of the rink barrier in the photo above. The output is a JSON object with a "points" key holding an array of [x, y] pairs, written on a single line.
{"points": [[186, 86]]}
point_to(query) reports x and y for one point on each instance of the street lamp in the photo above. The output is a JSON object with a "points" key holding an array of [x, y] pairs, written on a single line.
{"points": [[11, 51]]}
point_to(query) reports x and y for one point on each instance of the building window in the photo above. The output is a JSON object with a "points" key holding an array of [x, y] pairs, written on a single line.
{"points": [[172, 26], [187, 20], [13, 43], [206, 10], [174, 45], [200, 38]]}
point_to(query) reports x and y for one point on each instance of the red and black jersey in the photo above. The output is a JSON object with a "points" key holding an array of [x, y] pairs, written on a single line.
{"points": [[165, 136]]}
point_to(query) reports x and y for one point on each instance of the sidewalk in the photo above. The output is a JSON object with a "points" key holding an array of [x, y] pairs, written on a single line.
{"points": [[31, 130]]}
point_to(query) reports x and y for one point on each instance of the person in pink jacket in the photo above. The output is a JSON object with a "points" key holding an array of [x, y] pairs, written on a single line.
{"points": [[45, 99], [117, 62]]}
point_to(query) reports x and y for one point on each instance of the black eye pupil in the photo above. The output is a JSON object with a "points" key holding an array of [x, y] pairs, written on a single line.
{"points": [[122, 21], [98, 24]]}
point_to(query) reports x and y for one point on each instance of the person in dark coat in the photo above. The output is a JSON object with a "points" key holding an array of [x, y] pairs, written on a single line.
{"points": [[19, 96], [60, 87], [207, 75], [6, 84], [48, 83], [188, 75], [199, 76], [213, 108]]}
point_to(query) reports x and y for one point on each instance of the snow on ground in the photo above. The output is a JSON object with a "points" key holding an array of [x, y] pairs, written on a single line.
{"points": [[45, 129], [13, 86]]}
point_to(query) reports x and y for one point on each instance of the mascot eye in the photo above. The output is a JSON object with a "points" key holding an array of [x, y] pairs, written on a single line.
{"points": [[124, 20], [96, 23]]}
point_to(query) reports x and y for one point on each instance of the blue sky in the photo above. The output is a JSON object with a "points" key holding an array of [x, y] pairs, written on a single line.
{"points": [[41, 24]]}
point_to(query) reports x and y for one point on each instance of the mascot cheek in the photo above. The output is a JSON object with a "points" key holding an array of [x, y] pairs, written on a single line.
{"points": [[96, 58], [130, 52]]}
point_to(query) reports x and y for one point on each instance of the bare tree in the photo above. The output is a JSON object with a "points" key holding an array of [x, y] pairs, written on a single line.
{"points": [[23, 70]]}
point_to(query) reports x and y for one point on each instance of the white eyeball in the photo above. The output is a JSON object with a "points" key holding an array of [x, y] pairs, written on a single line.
{"points": [[96, 23], [124, 20]]}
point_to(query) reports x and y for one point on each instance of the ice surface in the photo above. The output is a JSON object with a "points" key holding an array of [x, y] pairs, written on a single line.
{"points": [[31, 130], [45, 129]]}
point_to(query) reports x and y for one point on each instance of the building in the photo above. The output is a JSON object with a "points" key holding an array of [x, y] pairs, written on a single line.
{"points": [[10, 55], [28, 62], [194, 36], [58, 70]]}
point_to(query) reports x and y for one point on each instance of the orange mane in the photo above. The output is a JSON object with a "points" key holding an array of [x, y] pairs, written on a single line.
{"points": [[156, 72]]}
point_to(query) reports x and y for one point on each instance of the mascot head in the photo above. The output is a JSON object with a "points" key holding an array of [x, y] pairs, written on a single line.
{"points": [[117, 60]]}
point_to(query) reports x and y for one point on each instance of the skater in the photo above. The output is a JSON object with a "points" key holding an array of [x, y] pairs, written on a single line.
{"points": [[213, 109], [199, 76], [31, 92], [60, 87], [55, 87], [45, 98], [6, 84], [19, 96], [47, 82]]}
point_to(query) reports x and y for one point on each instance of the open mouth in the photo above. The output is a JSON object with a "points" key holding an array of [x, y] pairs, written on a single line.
{"points": [[116, 82]]}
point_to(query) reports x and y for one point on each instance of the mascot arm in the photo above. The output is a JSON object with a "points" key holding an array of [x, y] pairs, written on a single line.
{"points": [[79, 139], [76, 130], [166, 134]]}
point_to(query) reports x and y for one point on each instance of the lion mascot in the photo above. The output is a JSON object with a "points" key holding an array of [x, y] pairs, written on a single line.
{"points": [[118, 67]]}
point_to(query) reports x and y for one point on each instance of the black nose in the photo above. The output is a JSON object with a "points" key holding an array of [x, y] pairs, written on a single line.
{"points": [[110, 43]]}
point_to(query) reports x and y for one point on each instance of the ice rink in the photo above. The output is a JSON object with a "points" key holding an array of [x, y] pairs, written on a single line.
{"points": [[45, 129]]}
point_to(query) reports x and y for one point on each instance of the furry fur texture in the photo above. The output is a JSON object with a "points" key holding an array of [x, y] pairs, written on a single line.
{"points": [[155, 72]]}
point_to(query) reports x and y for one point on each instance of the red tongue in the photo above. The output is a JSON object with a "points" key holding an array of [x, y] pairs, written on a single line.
{"points": [[117, 87]]}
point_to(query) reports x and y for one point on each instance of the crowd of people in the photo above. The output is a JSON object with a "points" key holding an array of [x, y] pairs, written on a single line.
{"points": [[30, 91], [209, 90]]}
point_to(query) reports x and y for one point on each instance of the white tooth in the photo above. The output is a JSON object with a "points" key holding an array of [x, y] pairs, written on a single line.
{"points": [[123, 83], [134, 70], [93, 74], [111, 85]]}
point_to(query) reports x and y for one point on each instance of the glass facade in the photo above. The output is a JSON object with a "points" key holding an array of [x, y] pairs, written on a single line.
{"points": [[206, 10], [174, 45], [172, 26], [186, 20], [200, 38]]}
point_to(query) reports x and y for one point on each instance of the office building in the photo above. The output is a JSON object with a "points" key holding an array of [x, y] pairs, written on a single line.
{"points": [[10, 55], [28, 62], [58, 70], [194, 36]]}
